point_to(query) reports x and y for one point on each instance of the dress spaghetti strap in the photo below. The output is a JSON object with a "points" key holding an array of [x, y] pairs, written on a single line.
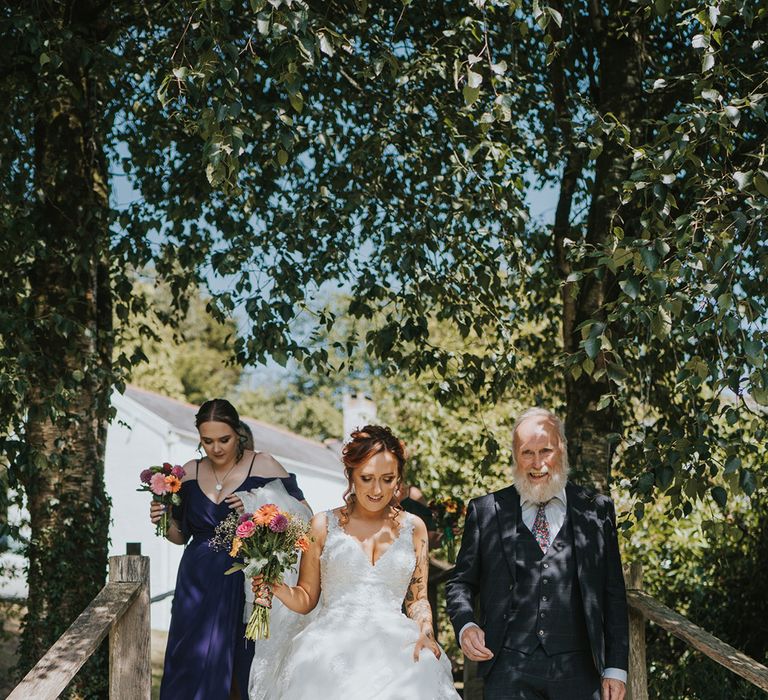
{"points": [[253, 459], [197, 468]]}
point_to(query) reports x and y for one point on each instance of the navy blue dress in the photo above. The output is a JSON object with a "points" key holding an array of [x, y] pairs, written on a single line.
{"points": [[206, 643]]}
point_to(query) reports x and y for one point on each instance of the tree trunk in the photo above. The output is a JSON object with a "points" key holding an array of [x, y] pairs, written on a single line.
{"points": [[69, 406], [618, 45]]}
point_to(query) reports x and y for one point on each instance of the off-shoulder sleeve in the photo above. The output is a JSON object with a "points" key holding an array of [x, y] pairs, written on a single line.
{"points": [[292, 487]]}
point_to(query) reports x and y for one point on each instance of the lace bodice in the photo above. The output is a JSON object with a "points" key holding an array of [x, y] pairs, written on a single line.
{"points": [[350, 580], [360, 645]]}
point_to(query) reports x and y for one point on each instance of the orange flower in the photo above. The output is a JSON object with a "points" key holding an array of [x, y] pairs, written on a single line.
{"points": [[264, 515], [236, 544], [174, 483], [302, 543], [451, 506]]}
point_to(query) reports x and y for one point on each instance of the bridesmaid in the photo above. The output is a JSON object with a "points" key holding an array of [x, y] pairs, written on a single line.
{"points": [[207, 657]]}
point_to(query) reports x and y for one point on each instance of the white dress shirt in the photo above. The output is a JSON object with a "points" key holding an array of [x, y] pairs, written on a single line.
{"points": [[555, 511]]}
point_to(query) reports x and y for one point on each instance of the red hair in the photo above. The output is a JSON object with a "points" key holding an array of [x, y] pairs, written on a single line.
{"points": [[364, 444]]}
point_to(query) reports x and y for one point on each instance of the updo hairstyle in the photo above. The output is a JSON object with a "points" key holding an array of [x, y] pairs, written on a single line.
{"points": [[221, 411], [364, 444]]}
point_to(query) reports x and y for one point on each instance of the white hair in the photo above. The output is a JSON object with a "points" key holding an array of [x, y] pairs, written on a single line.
{"points": [[546, 415]]}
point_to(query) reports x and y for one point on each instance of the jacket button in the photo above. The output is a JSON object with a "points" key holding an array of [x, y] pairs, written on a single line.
{"points": [[546, 566], [511, 586], [545, 581], [541, 633], [544, 598], [504, 616], [543, 614]]}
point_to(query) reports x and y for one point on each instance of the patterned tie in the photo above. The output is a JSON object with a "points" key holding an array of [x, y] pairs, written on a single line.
{"points": [[541, 528]]}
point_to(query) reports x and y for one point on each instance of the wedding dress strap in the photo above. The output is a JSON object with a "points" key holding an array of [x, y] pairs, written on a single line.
{"points": [[332, 521]]}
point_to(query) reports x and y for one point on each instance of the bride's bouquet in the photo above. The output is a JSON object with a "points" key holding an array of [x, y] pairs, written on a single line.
{"points": [[268, 541]]}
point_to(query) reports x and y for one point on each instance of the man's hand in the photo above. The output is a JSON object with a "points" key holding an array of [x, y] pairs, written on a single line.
{"points": [[473, 644], [613, 689]]}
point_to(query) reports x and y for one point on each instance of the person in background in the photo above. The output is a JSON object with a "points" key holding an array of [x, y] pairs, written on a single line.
{"points": [[412, 501]]}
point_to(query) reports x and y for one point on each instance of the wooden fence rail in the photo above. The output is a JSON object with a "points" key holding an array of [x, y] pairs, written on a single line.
{"points": [[121, 609]]}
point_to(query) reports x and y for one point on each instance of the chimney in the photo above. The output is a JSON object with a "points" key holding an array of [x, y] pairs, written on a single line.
{"points": [[359, 410]]}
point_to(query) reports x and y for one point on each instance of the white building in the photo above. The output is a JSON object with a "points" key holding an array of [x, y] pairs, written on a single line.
{"points": [[151, 429]]}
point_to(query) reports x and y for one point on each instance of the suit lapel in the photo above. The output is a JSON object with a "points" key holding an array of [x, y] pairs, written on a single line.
{"points": [[507, 507], [576, 510], [586, 540]]}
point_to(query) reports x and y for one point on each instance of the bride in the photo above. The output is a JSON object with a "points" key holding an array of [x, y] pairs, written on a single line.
{"points": [[366, 558]]}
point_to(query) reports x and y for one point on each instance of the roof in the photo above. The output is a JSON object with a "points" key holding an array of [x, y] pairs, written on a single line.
{"points": [[266, 437]]}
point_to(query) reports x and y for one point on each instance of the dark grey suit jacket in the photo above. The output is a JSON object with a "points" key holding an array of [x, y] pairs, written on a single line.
{"points": [[485, 572]]}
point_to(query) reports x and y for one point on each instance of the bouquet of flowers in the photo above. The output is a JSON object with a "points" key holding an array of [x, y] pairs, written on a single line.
{"points": [[268, 541], [448, 513], [164, 483]]}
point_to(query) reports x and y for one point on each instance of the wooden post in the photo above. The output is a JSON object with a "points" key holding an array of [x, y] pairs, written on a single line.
{"points": [[130, 672], [637, 684]]}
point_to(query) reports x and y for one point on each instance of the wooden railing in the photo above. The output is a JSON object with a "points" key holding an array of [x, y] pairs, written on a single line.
{"points": [[642, 608], [121, 609]]}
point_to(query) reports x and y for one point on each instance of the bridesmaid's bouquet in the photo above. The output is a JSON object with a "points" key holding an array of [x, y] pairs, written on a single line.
{"points": [[448, 513], [164, 483], [268, 541]]}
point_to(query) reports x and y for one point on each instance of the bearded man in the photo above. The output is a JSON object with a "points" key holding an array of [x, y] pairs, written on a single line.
{"points": [[537, 597]]}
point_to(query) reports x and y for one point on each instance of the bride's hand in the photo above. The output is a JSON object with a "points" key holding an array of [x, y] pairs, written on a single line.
{"points": [[426, 640], [263, 591]]}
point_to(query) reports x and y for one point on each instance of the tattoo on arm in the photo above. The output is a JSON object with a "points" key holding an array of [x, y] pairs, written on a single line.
{"points": [[416, 603]]}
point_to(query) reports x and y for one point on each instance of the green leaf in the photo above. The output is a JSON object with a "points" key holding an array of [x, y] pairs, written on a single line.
{"points": [[742, 179], [645, 482], [234, 569], [630, 287], [720, 496], [297, 102], [325, 45], [650, 258], [747, 482], [661, 324], [733, 114], [761, 183], [604, 402], [282, 157], [470, 95], [664, 476], [592, 346], [732, 465], [474, 80]]}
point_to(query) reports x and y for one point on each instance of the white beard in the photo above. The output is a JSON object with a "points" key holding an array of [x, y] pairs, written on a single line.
{"points": [[540, 493]]}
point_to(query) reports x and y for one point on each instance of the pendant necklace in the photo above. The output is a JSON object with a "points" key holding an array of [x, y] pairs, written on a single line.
{"points": [[220, 484]]}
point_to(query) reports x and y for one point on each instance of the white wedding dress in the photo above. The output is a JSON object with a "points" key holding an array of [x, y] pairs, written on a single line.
{"points": [[284, 623], [360, 645]]}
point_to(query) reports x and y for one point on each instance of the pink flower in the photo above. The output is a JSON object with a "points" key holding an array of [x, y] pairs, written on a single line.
{"points": [[245, 529], [244, 517], [167, 468], [145, 476], [178, 472], [279, 523], [158, 485]]}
